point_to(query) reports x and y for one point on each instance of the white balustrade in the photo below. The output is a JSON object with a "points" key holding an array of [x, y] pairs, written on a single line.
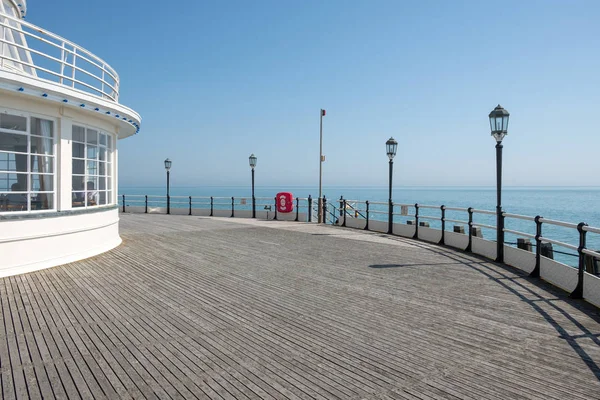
{"points": [[32, 51]]}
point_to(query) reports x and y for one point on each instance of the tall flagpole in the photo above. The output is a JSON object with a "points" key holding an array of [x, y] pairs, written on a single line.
{"points": [[320, 213]]}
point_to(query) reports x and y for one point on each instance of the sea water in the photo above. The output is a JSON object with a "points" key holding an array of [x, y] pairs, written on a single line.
{"points": [[568, 204]]}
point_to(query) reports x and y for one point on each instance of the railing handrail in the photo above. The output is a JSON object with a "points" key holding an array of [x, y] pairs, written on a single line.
{"points": [[519, 233], [558, 223], [457, 221], [76, 52], [481, 225], [558, 243], [591, 229], [457, 209], [484, 212], [518, 216]]}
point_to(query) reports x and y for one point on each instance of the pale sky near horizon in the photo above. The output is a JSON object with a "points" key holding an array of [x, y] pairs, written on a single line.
{"points": [[216, 81]]}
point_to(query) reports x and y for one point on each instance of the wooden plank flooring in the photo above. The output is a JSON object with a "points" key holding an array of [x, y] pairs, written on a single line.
{"points": [[191, 307]]}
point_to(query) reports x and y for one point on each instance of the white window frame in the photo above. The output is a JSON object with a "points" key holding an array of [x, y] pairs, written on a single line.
{"points": [[28, 115], [109, 170]]}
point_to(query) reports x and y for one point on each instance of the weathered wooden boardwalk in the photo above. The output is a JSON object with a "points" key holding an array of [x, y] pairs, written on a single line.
{"points": [[191, 307]]}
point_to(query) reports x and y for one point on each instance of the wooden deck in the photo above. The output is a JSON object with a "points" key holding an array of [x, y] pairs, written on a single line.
{"points": [[191, 307]]}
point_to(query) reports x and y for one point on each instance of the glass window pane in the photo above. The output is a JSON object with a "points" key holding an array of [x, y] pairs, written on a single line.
{"points": [[8, 162], [78, 167], [102, 183], [13, 142], [91, 183], [78, 150], [13, 202], [109, 183], [40, 145], [78, 183], [92, 152], [102, 198], [42, 164], [42, 201], [79, 134], [78, 199], [101, 168], [42, 127], [13, 182], [9, 205], [42, 183], [109, 141], [92, 136], [91, 196], [102, 154], [92, 168], [109, 155], [103, 139], [109, 197], [13, 122]]}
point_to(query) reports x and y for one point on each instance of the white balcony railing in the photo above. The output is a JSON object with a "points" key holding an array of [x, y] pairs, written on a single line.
{"points": [[30, 50]]}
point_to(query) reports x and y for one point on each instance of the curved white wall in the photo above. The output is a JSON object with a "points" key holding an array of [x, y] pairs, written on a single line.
{"points": [[36, 240], [36, 243]]}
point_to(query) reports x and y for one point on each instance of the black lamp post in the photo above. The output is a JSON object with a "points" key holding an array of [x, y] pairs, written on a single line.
{"points": [[168, 168], [252, 160], [391, 146], [499, 127]]}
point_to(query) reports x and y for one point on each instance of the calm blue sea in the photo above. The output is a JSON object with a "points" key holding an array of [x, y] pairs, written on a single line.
{"points": [[569, 204]]}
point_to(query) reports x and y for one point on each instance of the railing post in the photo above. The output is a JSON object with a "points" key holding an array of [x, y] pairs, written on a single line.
{"points": [[146, 208], [443, 208], [190, 205], [123, 203], [309, 208], [232, 206], [578, 292], [324, 210], [538, 247], [470, 245], [345, 213], [341, 211], [416, 235], [211, 206], [297, 209], [367, 209], [275, 216], [73, 67]]}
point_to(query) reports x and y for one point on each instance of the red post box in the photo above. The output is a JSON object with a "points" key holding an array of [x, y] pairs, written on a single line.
{"points": [[285, 202]]}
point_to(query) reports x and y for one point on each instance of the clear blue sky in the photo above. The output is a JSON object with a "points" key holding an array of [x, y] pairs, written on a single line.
{"points": [[217, 80]]}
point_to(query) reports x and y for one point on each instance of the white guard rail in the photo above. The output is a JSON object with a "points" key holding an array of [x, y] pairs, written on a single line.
{"points": [[30, 50]]}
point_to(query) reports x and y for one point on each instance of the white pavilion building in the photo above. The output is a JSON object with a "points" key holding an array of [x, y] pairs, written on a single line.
{"points": [[60, 120]]}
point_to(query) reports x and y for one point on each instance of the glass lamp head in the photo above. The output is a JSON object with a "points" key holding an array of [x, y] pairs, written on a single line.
{"points": [[252, 160], [391, 146], [168, 164], [499, 123]]}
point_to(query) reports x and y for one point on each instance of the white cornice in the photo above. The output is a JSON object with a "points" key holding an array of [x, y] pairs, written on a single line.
{"points": [[129, 120]]}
